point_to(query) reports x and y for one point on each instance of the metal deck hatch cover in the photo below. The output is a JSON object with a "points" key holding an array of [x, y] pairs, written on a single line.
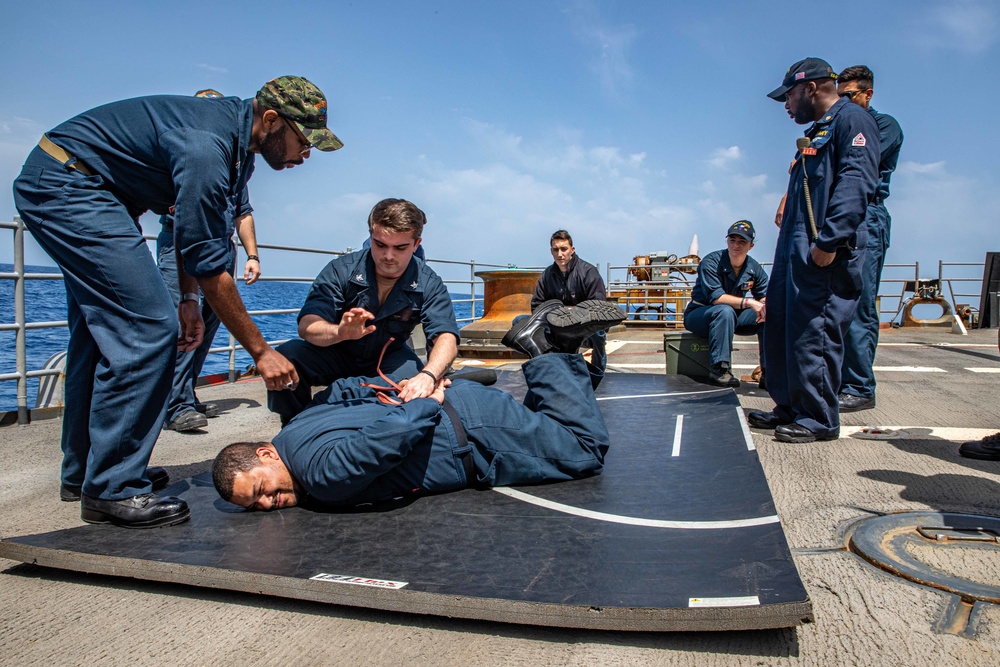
{"points": [[931, 548], [678, 533]]}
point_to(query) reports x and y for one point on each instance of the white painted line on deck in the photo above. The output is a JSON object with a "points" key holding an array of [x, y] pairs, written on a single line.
{"points": [[634, 521], [637, 342], [983, 370], [881, 344], [908, 369], [953, 434], [613, 345], [676, 451], [653, 366], [675, 393], [742, 419]]}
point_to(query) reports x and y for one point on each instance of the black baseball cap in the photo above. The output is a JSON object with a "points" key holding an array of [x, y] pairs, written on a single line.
{"points": [[804, 70], [742, 228]]}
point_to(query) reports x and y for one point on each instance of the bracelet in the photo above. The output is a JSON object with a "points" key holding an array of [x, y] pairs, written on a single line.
{"points": [[190, 296], [433, 377], [254, 257], [743, 304]]}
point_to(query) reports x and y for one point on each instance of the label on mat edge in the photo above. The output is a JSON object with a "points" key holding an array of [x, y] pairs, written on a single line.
{"points": [[745, 601], [358, 581]]}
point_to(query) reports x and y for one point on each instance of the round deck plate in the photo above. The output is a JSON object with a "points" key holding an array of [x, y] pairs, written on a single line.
{"points": [[919, 546]]}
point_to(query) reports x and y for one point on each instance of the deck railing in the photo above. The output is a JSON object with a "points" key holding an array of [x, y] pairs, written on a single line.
{"points": [[661, 302]]}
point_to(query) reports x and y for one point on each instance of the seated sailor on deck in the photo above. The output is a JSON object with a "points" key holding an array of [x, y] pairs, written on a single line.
{"points": [[728, 299], [359, 302], [361, 444]]}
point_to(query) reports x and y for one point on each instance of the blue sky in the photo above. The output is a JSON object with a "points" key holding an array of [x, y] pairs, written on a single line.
{"points": [[634, 125]]}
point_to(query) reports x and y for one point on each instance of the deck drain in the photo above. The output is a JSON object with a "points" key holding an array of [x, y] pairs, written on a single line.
{"points": [[940, 550]]}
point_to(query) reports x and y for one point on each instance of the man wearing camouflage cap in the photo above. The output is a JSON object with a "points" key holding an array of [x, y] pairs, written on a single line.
{"points": [[80, 194]]}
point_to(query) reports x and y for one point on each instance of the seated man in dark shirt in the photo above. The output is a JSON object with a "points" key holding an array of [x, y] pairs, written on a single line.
{"points": [[572, 281], [366, 304], [728, 299], [363, 445]]}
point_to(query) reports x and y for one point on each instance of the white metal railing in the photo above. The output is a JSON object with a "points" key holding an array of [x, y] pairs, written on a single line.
{"points": [[20, 326], [664, 301]]}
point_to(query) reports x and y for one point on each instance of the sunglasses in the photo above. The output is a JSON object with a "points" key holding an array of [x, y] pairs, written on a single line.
{"points": [[298, 135], [849, 93]]}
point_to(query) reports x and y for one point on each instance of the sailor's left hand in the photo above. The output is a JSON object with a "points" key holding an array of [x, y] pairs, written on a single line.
{"points": [[192, 326], [821, 257], [419, 386]]}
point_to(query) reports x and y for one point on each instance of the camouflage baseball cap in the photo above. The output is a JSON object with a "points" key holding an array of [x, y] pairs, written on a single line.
{"points": [[301, 102]]}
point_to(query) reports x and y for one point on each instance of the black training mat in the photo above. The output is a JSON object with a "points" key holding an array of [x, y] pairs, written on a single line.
{"points": [[658, 542]]}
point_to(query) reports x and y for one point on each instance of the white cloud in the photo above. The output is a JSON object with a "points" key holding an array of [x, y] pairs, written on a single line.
{"points": [[937, 214], [215, 69], [725, 156], [962, 25], [920, 168], [609, 45]]}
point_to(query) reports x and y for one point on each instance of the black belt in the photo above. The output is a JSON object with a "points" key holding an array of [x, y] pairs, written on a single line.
{"points": [[463, 443]]}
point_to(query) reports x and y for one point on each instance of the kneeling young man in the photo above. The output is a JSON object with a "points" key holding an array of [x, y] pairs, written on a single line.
{"points": [[362, 445], [728, 299], [359, 302]]}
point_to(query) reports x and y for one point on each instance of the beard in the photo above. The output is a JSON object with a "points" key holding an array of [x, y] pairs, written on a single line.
{"points": [[272, 149]]}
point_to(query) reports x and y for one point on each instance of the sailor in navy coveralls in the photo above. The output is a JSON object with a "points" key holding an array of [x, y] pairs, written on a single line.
{"points": [[359, 302], [857, 384], [81, 193], [727, 299], [358, 444], [816, 278]]}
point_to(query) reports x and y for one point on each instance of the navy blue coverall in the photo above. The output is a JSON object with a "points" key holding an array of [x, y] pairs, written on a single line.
{"points": [[353, 449], [809, 308], [719, 322], [349, 281], [147, 153], [858, 378], [188, 365], [581, 282]]}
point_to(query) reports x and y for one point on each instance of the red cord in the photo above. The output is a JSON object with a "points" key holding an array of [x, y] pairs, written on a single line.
{"points": [[383, 392]]}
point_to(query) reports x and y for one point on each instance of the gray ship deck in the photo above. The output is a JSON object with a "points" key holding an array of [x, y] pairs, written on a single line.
{"points": [[935, 390]]}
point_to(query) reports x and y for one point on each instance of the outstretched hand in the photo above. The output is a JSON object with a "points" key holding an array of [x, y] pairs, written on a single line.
{"points": [[353, 324]]}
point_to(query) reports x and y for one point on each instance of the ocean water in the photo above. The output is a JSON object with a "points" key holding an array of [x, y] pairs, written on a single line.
{"points": [[45, 301]]}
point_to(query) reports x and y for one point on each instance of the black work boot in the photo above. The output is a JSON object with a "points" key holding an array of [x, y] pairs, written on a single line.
{"points": [[530, 336], [721, 376], [571, 326]]}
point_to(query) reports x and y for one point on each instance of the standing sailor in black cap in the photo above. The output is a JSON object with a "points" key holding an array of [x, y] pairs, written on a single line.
{"points": [[816, 279], [727, 299]]}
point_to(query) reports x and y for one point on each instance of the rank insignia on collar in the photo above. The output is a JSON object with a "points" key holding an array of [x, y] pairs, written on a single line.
{"points": [[859, 140], [413, 285]]}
